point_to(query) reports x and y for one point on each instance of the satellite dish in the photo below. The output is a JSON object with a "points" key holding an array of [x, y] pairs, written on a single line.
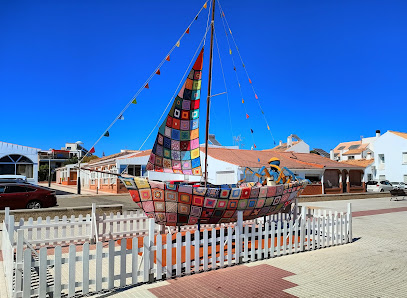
{"points": [[79, 143]]}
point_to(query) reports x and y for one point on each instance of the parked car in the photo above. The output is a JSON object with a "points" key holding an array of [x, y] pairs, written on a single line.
{"points": [[13, 178], [378, 186], [25, 196], [399, 185]]}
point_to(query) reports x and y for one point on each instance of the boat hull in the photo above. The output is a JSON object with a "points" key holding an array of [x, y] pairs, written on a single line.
{"points": [[173, 205]]}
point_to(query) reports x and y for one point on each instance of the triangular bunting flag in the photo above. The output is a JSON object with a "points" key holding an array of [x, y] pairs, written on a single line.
{"points": [[205, 5], [250, 81], [92, 150], [121, 117], [196, 18], [242, 100], [255, 95], [262, 112], [230, 51], [274, 142], [230, 32], [234, 68], [243, 65], [106, 134], [247, 116], [103, 154], [268, 127], [167, 58], [146, 86], [258, 159], [223, 13], [158, 72], [134, 101], [177, 44], [251, 130], [187, 32], [254, 145]]}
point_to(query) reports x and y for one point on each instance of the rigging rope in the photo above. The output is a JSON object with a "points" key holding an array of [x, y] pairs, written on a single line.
{"points": [[147, 81], [224, 81], [182, 79], [244, 67], [238, 83]]}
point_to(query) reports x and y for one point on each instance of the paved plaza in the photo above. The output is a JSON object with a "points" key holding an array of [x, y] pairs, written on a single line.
{"points": [[374, 265]]}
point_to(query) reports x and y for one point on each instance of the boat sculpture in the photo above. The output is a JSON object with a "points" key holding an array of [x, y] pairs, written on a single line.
{"points": [[177, 150]]}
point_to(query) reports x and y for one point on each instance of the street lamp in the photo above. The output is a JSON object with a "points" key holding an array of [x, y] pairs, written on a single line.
{"points": [[49, 167], [78, 183]]}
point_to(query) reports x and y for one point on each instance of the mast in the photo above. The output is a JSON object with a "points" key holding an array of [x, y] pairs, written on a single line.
{"points": [[208, 99]]}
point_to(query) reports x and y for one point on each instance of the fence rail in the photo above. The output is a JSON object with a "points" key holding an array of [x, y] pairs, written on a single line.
{"points": [[85, 267]]}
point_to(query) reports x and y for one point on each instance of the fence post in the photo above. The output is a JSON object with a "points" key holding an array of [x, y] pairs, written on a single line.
{"points": [[349, 215], [11, 229], [19, 260], [93, 232], [7, 216], [238, 243], [303, 225], [295, 209], [151, 232]]}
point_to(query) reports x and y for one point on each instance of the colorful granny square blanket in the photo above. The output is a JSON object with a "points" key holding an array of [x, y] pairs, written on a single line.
{"points": [[176, 148]]}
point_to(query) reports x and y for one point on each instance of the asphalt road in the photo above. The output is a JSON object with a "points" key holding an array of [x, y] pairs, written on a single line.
{"points": [[84, 200]]}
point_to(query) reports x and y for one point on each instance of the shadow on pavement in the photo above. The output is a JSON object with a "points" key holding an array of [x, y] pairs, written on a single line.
{"points": [[58, 192]]}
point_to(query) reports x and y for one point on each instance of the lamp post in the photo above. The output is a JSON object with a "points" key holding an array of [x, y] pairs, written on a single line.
{"points": [[49, 168], [78, 183]]}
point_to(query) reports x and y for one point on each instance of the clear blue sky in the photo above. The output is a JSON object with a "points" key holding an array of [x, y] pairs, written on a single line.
{"points": [[328, 71]]}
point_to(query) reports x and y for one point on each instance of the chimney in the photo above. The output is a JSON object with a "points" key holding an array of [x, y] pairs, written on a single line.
{"points": [[281, 143], [331, 154], [377, 133], [289, 141]]}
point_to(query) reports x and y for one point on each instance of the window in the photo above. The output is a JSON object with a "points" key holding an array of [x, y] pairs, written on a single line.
{"points": [[15, 164], [14, 189], [350, 157], [341, 148], [405, 178], [405, 157], [381, 158], [2, 188], [369, 177], [382, 177]]}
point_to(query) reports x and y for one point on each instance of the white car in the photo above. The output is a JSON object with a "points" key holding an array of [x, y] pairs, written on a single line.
{"points": [[379, 186], [398, 185]]}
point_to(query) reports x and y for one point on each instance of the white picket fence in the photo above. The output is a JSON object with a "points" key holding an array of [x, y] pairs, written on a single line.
{"points": [[92, 228], [84, 268]]}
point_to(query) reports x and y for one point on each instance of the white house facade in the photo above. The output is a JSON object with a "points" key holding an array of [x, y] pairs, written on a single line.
{"points": [[391, 157], [19, 160]]}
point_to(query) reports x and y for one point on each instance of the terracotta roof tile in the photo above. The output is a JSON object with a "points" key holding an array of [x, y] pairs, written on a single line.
{"points": [[112, 156], [400, 134], [291, 160], [359, 162], [354, 151]]}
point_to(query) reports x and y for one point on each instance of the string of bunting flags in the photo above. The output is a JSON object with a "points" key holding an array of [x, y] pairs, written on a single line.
{"points": [[226, 24], [238, 83], [146, 83]]}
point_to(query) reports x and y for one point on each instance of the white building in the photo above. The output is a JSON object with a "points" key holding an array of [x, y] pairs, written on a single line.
{"points": [[19, 160], [75, 149], [362, 149], [391, 157], [294, 144]]}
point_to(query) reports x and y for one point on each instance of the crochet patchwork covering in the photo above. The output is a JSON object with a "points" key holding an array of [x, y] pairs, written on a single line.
{"points": [[176, 148], [171, 204]]}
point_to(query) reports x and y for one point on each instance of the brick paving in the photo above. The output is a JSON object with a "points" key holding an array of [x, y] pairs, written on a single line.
{"points": [[236, 281]]}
